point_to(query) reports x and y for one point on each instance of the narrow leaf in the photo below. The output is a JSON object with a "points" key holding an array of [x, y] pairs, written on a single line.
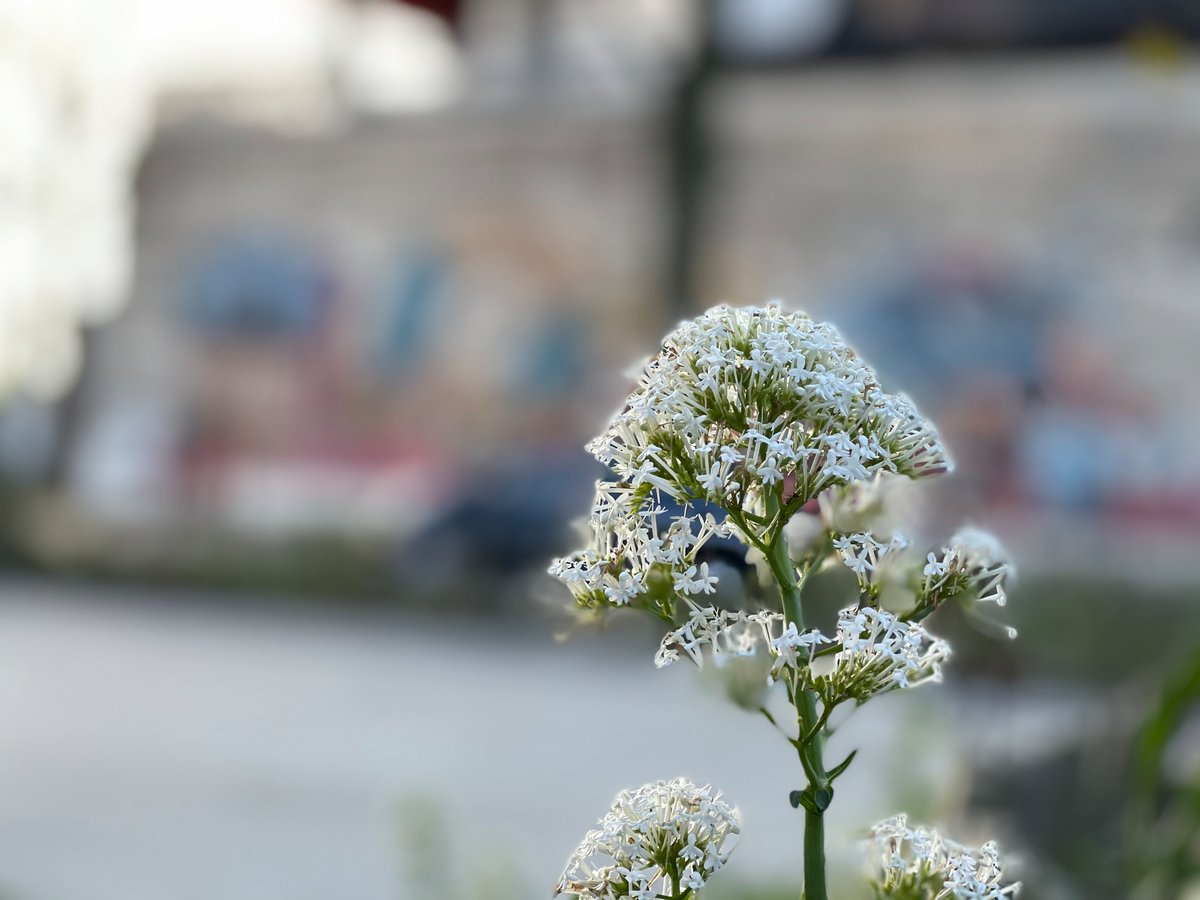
{"points": [[843, 765]]}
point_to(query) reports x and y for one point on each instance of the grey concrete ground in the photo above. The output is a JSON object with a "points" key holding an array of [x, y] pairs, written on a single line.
{"points": [[151, 749]]}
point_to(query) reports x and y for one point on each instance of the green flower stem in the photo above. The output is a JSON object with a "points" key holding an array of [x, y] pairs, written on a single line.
{"points": [[811, 748], [814, 856]]}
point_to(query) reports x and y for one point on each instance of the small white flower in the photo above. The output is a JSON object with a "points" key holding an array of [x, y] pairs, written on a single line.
{"points": [[934, 567], [628, 586], [713, 481], [695, 580], [731, 455], [769, 471], [694, 881]]}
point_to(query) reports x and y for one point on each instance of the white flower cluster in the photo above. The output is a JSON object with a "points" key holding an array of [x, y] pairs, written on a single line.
{"points": [[918, 862], [629, 543], [742, 398], [862, 552], [737, 403], [974, 560], [663, 832], [880, 652], [737, 633], [877, 651]]}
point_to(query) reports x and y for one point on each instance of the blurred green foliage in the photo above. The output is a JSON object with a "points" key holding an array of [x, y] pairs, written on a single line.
{"points": [[1164, 813], [432, 868]]}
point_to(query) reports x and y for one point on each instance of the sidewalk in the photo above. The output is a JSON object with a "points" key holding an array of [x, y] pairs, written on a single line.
{"points": [[154, 750]]}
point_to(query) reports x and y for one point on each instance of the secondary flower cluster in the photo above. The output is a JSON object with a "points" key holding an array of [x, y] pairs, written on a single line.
{"points": [[880, 653], [662, 838], [862, 553], [736, 633], [633, 543], [877, 651], [918, 863], [973, 561]]}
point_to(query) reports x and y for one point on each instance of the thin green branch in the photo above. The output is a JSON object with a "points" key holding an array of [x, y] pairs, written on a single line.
{"points": [[814, 732]]}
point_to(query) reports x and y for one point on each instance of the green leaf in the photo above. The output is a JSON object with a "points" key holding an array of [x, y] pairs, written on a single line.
{"points": [[822, 797], [843, 765]]}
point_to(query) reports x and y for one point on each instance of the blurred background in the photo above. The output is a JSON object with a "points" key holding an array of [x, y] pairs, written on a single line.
{"points": [[307, 308]]}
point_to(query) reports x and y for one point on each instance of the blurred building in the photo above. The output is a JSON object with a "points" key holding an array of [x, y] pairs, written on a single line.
{"points": [[389, 261], [326, 296]]}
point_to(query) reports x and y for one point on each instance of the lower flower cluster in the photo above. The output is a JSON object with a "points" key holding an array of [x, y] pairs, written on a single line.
{"points": [[666, 838], [917, 863], [736, 633], [880, 652], [876, 651]]}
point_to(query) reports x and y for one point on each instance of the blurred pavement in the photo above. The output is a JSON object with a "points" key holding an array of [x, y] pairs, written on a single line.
{"points": [[207, 752]]}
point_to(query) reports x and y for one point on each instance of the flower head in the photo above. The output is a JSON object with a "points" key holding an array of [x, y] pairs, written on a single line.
{"points": [[735, 633], [973, 562], [661, 831], [634, 547], [862, 553], [880, 653], [918, 863], [742, 398], [738, 405]]}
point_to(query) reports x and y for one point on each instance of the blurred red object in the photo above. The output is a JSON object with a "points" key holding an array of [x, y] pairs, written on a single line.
{"points": [[449, 11]]}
